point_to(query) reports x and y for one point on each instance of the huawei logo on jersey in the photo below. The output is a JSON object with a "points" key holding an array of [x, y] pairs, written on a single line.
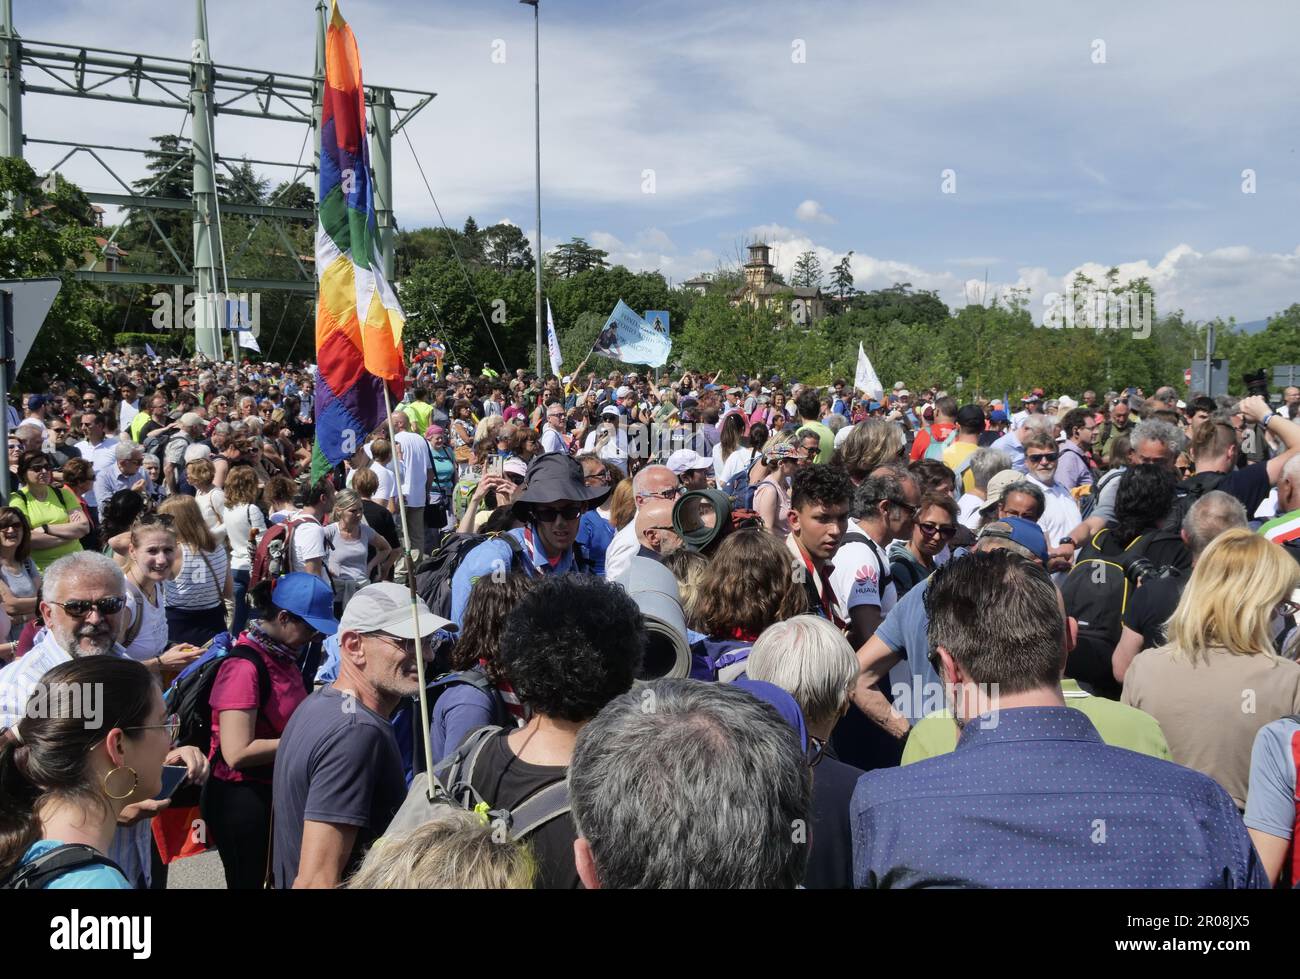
{"points": [[867, 573]]}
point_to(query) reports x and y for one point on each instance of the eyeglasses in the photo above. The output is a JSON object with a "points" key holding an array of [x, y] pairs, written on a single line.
{"points": [[407, 645], [596, 479], [945, 530], [667, 494], [80, 607], [37, 467], [172, 726], [1043, 457], [910, 510], [548, 514], [515, 478]]}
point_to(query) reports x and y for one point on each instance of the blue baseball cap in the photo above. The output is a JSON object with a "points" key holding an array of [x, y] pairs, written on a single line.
{"points": [[997, 415], [307, 597], [1024, 532]]}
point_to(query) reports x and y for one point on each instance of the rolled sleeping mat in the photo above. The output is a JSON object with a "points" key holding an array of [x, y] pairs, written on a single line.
{"points": [[654, 589]]}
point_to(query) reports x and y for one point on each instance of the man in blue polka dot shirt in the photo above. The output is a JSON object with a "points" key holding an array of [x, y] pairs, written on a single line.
{"points": [[1033, 797]]}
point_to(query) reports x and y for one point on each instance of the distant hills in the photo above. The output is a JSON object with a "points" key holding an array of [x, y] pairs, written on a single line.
{"points": [[1254, 326]]}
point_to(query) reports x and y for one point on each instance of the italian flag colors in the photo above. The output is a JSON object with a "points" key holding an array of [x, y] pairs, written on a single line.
{"points": [[358, 318]]}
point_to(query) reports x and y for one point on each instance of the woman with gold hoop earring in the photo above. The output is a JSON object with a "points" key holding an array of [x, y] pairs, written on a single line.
{"points": [[91, 742]]}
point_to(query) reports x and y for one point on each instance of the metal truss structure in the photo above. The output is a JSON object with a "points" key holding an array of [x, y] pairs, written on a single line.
{"points": [[203, 90]]}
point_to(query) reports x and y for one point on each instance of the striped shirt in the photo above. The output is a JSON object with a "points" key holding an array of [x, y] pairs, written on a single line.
{"points": [[130, 849], [201, 583]]}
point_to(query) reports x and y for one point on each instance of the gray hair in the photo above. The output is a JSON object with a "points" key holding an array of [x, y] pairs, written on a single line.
{"points": [[1154, 430], [125, 450], [808, 657], [148, 458], [887, 485], [986, 463], [1039, 424], [835, 421], [221, 428], [686, 784], [89, 564], [1210, 516]]}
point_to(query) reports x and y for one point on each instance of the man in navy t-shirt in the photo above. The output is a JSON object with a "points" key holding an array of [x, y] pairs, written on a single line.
{"points": [[338, 773]]}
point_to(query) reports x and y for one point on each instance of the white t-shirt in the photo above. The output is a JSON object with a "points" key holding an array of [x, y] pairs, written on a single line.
{"points": [[308, 544], [552, 441], [387, 484], [212, 505], [413, 465], [615, 449], [968, 511], [1061, 514], [621, 550], [737, 462], [237, 520], [856, 577]]}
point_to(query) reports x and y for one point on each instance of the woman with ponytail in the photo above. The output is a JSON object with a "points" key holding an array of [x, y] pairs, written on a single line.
{"points": [[91, 742]]}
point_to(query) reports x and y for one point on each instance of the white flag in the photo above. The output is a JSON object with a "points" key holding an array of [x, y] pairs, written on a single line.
{"points": [[248, 341], [865, 380], [149, 350], [552, 343]]}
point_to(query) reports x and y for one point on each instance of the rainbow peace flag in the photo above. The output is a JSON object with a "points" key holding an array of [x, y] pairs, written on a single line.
{"points": [[358, 319]]}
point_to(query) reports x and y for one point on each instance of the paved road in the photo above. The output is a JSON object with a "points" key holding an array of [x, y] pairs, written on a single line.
{"points": [[203, 871]]}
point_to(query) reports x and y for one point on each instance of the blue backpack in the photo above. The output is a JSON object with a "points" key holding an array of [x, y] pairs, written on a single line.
{"points": [[189, 694], [739, 489]]}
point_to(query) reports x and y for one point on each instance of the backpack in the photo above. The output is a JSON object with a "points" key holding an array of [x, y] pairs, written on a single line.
{"points": [[935, 449], [1096, 593], [741, 491], [433, 574], [452, 785], [1089, 500], [476, 678], [189, 694], [53, 863], [1189, 491], [274, 555]]}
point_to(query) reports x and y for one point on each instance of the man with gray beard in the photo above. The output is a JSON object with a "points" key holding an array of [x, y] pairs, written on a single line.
{"points": [[83, 598]]}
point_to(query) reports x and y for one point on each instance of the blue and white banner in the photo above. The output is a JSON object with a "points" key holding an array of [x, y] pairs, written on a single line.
{"points": [[552, 342], [628, 338], [658, 320]]}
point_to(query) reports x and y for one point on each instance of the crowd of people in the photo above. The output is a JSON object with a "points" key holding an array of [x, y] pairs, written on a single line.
{"points": [[632, 631]]}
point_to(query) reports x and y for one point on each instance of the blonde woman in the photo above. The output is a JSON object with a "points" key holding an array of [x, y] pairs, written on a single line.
{"points": [[454, 850], [211, 499], [1218, 680], [151, 555], [870, 444], [201, 580]]}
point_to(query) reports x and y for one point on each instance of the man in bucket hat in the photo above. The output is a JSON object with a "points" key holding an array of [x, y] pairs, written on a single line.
{"points": [[550, 506]]}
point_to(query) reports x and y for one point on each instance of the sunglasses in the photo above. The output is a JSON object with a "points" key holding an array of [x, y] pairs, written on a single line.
{"points": [[942, 530], [515, 478], [80, 607], [1043, 457], [550, 514], [911, 511]]}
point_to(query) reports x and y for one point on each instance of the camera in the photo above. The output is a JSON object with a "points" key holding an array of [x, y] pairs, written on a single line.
{"points": [[1256, 383], [1139, 569]]}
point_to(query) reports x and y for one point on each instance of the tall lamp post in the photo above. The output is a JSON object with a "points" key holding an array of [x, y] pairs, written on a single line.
{"points": [[537, 131]]}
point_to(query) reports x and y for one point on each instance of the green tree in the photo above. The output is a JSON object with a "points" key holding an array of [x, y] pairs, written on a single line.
{"points": [[807, 271], [506, 248], [573, 257], [51, 234], [842, 277]]}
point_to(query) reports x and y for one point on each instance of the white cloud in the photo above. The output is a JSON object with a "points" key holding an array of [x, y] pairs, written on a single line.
{"points": [[811, 212]]}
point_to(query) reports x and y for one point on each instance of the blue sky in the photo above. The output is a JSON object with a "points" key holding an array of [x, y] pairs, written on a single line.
{"points": [[821, 124]]}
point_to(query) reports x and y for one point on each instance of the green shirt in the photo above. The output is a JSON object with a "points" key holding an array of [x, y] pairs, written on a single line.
{"points": [[823, 433], [419, 412], [54, 509], [1118, 724]]}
